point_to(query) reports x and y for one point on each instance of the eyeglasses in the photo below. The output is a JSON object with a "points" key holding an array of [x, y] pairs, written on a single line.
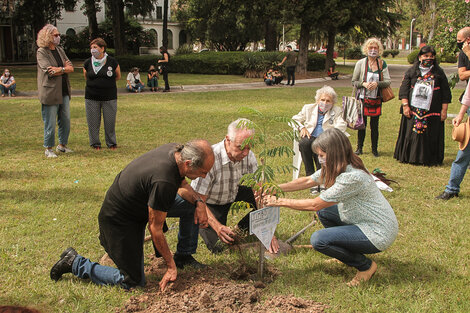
{"points": [[56, 35]]}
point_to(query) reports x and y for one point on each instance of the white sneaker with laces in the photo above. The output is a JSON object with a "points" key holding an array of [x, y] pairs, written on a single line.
{"points": [[50, 154], [63, 149]]}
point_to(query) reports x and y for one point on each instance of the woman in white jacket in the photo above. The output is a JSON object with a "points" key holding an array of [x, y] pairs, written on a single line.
{"points": [[313, 119]]}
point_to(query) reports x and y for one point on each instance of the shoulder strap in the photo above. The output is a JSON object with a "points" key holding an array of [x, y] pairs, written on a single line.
{"points": [[380, 64]]}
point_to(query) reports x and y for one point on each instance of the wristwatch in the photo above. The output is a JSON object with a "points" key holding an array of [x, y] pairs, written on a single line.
{"points": [[405, 104], [63, 69]]}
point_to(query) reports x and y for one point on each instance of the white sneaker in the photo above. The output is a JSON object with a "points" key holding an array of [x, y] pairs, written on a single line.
{"points": [[63, 149], [50, 154]]}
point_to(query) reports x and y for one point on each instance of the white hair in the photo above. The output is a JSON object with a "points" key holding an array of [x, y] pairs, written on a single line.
{"points": [[326, 90], [238, 125]]}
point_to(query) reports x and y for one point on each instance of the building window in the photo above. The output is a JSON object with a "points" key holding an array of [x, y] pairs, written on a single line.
{"points": [[69, 5], [183, 38], [154, 37], [170, 39], [70, 32], [159, 13]]}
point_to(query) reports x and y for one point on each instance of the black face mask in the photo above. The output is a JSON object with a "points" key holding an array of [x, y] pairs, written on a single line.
{"points": [[460, 45]]}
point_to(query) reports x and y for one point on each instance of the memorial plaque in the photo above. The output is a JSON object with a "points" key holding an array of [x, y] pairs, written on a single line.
{"points": [[263, 223]]}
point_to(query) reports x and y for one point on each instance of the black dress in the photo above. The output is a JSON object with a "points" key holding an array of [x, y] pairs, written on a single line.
{"points": [[421, 137]]}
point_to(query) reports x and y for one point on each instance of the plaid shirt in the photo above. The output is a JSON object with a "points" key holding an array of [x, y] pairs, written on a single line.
{"points": [[221, 183]]}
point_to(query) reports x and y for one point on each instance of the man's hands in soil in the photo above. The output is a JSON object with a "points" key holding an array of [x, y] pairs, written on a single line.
{"points": [[170, 276], [226, 234]]}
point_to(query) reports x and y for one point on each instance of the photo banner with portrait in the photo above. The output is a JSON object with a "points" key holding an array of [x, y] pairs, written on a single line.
{"points": [[422, 94]]}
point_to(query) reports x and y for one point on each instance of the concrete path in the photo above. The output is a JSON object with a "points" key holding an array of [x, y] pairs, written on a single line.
{"points": [[396, 73]]}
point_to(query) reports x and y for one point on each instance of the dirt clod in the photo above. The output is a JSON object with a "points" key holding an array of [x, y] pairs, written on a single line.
{"points": [[211, 290]]}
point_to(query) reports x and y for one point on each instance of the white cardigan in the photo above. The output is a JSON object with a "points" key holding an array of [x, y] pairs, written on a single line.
{"points": [[308, 117]]}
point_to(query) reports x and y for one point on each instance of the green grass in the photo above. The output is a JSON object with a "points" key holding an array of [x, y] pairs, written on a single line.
{"points": [[25, 77], [48, 205]]}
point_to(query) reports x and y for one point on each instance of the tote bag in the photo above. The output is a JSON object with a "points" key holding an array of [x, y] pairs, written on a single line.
{"points": [[353, 113]]}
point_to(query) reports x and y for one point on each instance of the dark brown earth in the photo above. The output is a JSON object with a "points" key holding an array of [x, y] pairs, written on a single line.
{"points": [[223, 289]]}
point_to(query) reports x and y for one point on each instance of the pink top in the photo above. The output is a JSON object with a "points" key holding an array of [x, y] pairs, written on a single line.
{"points": [[466, 96]]}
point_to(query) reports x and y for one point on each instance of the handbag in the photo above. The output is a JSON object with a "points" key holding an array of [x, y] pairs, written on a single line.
{"points": [[387, 92], [353, 113]]}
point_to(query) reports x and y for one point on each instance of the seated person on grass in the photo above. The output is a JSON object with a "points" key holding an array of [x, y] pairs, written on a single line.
{"points": [[134, 84], [278, 77], [7, 83], [152, 78], [268, 77]]}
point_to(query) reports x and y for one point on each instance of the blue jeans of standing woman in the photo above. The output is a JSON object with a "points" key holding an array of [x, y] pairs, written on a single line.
{"points": [[459, 168], [342, 241], [61, 113], [187, 244]]}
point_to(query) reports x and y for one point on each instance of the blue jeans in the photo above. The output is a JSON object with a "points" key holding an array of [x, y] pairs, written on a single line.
{"points": [[61, 113], [6, 89], [459, 168], [341, 241], [139, 87], [187, 244]]}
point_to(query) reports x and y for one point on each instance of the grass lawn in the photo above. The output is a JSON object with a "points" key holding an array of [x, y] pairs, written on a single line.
{"points": [[47, 205], [25, 77]]}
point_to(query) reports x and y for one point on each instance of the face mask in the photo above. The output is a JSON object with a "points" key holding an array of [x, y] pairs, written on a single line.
{"points": [[373, 53], [324, 107], [56, 40], [7, 73], [95, 52], [427, 62], [321, 160], [460, 45]]}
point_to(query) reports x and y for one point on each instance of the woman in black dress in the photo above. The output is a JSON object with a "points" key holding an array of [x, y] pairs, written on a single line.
{"points": [[163, 62], [424, 95]]}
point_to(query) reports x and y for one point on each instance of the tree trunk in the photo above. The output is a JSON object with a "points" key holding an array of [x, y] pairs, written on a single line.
{"points": [[165, 24], [90, 8], [330, 48], [270, 36], [302, 59], [117, 8]]}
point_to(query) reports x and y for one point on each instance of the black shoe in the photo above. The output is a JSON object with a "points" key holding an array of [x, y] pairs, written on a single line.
{"points": [[358, 151], [375, 153], [182, 260], [64, 265], [447, 195]]}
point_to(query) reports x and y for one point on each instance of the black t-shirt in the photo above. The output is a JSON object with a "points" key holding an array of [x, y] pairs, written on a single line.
{"points": [[101, 86], [463, 61], [65, 90], [151, 180]]}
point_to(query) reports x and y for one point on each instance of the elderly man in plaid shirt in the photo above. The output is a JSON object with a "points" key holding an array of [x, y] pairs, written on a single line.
{"points": [[220, 188]]}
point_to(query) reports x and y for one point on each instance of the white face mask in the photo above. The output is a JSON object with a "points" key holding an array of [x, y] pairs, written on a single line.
{"points": [[95, 52], [324, 107], [56, 40], [373, 53], [321, 160]]}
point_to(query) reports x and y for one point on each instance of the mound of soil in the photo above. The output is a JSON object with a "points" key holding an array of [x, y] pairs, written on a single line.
{"points": [[212, 290]]}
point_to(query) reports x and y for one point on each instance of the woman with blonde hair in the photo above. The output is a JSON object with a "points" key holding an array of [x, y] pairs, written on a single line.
{"points": [[53, 89], [357, 218], [369, 77]]}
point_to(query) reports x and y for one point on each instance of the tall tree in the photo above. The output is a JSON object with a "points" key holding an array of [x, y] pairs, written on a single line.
{"points": [[371, 17], [165, 24], [37, 13], [91, 7], [225, 24]]}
